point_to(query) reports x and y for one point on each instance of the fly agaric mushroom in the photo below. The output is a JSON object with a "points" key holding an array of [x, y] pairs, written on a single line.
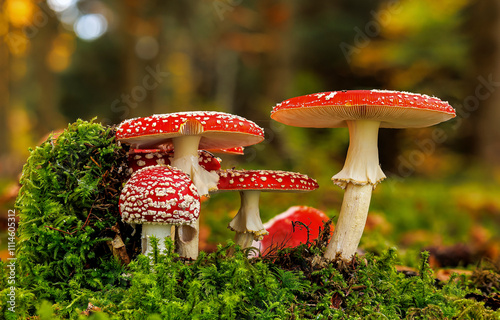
{"points": [[158, 197], [363, 112], [188, 132], [282, 232], [140, 158], [250, 183]]}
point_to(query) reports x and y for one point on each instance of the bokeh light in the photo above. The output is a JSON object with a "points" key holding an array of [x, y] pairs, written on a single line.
{"points": [[90, 26], [60, 5], [147, 47]]}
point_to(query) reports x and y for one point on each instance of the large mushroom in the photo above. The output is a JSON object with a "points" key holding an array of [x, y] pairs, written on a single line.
{"points": [[188, 132], [250, 183], [363, 112], [158, 197]]}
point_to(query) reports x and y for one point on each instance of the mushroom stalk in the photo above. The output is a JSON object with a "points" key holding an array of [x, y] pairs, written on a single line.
{"points": [[186, 159], [351, 222], [185, 148], [361, 164], [247, 223], [159, 231], [360, 175]]}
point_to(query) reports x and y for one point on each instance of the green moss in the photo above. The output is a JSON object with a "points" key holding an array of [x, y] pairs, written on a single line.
{"points": [[67, 205]]}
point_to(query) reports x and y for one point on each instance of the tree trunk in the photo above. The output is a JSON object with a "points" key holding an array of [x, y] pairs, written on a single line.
{"points": [[482, 106]]}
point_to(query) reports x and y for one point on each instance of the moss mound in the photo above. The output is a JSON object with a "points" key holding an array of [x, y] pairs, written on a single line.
{"points": [[68, 212]]}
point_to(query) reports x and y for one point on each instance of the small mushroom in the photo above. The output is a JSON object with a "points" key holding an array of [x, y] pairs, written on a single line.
{"points": [[250, 183], [158, 197], [363, 112]]}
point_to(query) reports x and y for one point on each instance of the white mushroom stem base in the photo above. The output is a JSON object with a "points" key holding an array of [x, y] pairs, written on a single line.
{"points": [[186, 240], [160, 231], [247, 223], [244, 239], [351, 222]]}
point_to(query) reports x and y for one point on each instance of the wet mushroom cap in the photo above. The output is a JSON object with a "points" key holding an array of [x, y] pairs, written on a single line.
{"points": [[393, 109], [141, 158], [159, 195], [264, 180], [219, 130]]}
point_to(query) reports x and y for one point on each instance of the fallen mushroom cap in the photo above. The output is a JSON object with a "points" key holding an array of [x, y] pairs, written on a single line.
{"points": [[159, 195], [219, 130], [264, 180], [282, 233], [392, 108]]}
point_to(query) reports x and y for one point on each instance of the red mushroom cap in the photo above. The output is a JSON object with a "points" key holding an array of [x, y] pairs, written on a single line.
{"points": [[218, 130], [282, 233], [141, 158], [159, 195], [235, 150], [392, 108], [264, 180]]}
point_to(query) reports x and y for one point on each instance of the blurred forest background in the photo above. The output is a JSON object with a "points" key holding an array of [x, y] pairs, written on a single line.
{"points": [[66, 59]]}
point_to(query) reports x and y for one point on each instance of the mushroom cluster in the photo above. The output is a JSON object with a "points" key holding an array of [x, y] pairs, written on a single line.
{"points": [[167, 150]]}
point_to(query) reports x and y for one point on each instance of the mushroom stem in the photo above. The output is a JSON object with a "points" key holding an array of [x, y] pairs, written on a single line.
{"points": [[247, 223], [185, 148], [361, 164], [186, 240], [244, 240], [160, 231], [360, 175], [351, 222], [185, 158]]}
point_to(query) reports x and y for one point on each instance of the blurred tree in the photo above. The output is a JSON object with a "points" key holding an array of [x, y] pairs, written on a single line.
{"points": [[4, 83], [482, 105]]}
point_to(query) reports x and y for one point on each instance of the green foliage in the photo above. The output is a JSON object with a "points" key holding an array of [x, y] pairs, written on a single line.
{"points": [[230, 286], [67, 205]]}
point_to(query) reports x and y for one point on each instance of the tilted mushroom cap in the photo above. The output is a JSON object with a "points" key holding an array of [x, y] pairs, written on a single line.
{"points": [[159, 195], [141, 158], [264, 180], [392, 108], [219, 130]]}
